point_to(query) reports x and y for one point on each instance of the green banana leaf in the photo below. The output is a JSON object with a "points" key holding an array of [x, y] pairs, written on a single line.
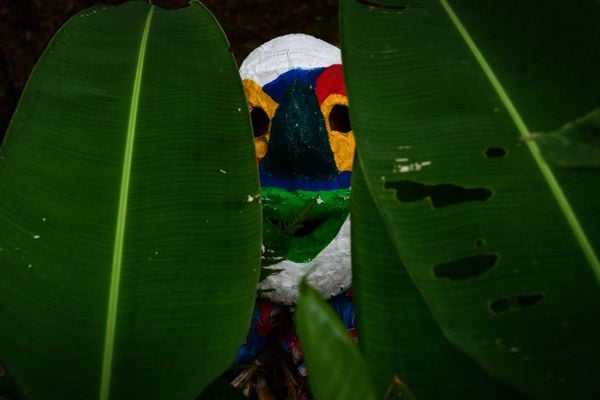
{"points": [[129, 225], [397, 334], [501, 245], [336, 369]]}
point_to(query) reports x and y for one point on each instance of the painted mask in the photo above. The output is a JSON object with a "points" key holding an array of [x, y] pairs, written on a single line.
{"points": [[304, 147]]}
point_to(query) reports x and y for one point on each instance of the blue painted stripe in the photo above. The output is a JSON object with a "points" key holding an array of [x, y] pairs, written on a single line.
{"points": [[277, 87], [342, 181]]}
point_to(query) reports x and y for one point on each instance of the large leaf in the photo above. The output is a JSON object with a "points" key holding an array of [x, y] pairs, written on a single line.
{"points": [[398, 335], [502, 247], [129, 234], [336, 368]]}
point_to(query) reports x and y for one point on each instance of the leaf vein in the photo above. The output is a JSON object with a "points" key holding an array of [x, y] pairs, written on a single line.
{"points": [[561, 198], [117, 259]]}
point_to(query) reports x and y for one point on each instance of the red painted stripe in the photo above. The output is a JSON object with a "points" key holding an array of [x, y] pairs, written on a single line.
{"points": [[330, 81]]}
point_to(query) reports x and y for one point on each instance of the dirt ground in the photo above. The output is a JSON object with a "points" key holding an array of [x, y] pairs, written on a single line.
{"points": [[26, 27]]}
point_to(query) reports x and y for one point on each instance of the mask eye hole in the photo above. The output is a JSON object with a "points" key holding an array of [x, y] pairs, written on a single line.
{"points": [[260, 121], [339, 119]]}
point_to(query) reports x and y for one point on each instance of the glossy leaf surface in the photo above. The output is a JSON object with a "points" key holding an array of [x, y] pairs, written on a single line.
{"points": [[129, 252], [398, 335], [502, 246], [336, 368]]}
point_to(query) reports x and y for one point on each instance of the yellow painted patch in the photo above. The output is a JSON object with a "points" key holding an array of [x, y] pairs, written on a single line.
{"points": [[257, 98], [342, 143]]}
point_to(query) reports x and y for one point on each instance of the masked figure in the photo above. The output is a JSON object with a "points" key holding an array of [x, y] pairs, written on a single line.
{"points": [[304, 148]]}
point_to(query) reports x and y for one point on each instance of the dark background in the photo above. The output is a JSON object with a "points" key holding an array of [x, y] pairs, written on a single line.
{"points": [[26, 27]]}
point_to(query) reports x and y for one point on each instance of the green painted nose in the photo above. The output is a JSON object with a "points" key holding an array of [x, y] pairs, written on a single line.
{"points": [[299, 145]]}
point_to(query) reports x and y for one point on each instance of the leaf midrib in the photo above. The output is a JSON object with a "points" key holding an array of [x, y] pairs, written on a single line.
{"points": [[562, 200], [117, 259]]}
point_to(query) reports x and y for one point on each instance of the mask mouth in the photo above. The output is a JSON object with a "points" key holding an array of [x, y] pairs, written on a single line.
{"points": [[299, 224], [301, 229], [300, 239]]}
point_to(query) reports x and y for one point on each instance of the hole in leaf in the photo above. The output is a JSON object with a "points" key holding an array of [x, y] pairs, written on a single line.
{"points": [[479, 242], [500, 305], [339, 119], [260, 121], [379, 4], [528, 300], [466, 268], [495, 152], [442, 195], [515, 303]]}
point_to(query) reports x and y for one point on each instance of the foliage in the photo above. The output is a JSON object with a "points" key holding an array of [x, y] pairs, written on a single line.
{"points": [[126, 176], [337, 369], [494, 243], [475, 215]]}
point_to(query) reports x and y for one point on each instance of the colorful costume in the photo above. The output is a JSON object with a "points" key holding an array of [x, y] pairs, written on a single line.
{"points": [[305, 147]]}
